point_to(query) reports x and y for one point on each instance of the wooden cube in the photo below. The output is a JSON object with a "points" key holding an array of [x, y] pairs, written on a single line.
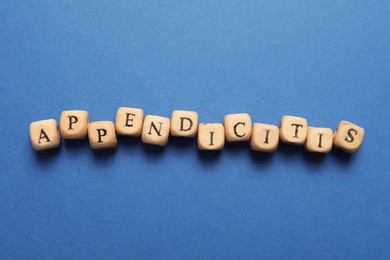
{"points": [[293, 130], [74, 124], [265, 138], [238, 127], [319, 140], [184, 123], [211, 136], [102, 135], [348, 136], [129, 121], [44, 134], [156, 130]]}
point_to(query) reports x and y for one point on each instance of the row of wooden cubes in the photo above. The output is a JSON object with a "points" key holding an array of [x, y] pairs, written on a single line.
{"points": [[74, 124]]}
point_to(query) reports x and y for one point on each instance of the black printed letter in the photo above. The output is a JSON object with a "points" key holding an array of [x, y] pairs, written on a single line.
{"points": [[296, 129], [211, 138], [155, 128], [129, 119], [320, 142], [182, 123], [43, 135], [235, 129], [266, 136], [101, 132], [351, 138], [72, 120]]}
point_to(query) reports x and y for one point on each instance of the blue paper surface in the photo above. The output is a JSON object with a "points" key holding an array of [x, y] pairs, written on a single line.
{"points": [[325, 61]]}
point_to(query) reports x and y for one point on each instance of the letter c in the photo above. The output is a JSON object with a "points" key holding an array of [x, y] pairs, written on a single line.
{"points": [[235, 129]]}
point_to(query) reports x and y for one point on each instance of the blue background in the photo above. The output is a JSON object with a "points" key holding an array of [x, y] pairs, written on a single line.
{"points": [[322, 60]]}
